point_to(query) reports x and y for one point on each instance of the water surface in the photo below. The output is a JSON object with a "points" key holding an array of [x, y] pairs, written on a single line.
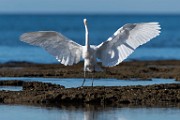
{"points": [[164, 47], [18, 112], [11, 88], [76, 82]]}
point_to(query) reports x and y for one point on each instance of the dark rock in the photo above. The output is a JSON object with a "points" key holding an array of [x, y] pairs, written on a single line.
{"points": [[45, 93], [11, 83], [125, 70], [39, 86]]}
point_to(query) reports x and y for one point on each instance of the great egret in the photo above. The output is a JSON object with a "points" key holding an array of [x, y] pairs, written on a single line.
{"points": [[111, 52]]}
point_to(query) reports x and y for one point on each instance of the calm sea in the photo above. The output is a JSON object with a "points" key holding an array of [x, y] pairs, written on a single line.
{"points": [[164, 47]]}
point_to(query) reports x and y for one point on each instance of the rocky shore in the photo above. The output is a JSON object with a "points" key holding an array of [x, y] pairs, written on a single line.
{"points": [[125, 70], [47, 93]]}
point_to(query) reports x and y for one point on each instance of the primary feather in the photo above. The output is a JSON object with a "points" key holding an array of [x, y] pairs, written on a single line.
{"points": [[65, 50], [124, 41]]}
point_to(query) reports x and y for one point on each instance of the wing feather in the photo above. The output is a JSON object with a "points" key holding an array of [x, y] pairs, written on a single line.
{"points": [[124, 41], [65, 50]]}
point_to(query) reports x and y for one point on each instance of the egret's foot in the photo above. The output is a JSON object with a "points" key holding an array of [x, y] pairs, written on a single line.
{"points": [[92, 82], [80, 87], [83, 83]]}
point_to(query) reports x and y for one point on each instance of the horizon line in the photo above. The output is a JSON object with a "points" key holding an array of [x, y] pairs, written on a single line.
{"points": [[69, 13]]}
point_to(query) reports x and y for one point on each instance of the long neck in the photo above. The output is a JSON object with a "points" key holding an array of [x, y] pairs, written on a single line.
{"points": [[86, 37]]}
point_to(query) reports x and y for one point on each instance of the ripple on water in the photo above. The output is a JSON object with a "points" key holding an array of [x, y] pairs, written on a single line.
{"points": [[76, 82], [17, 112]]}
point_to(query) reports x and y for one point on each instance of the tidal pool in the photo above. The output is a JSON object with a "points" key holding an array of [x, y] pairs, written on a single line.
{"points": [[12, 88], [19, 112], [76, 82]]}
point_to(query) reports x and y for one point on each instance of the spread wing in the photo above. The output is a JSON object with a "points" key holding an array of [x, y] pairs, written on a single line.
{"points": [[66, 51], [124, 41]]}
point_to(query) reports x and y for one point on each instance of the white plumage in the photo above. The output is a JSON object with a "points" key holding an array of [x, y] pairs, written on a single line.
{"points": [[111, 52]]}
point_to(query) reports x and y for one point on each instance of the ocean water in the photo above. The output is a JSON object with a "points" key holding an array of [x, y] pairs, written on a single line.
{"points": [[164, 47]]}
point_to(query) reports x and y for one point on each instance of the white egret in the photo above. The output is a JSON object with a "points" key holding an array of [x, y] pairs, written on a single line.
{"points": [[110, 53]]}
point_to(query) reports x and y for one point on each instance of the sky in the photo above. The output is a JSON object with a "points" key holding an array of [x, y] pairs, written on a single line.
{"points": [[90, 6]]}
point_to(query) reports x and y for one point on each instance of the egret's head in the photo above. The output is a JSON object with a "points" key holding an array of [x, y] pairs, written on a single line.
{"points": [[85, 21]]}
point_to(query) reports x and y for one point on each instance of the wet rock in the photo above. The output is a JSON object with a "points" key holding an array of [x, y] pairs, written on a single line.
{"points": [[11, 83], [128, 95], [39, 86], [45, 93], [125, 70]]}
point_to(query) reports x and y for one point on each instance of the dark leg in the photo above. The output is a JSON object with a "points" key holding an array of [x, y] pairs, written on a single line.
{"points": [[92, 78], [92, 81], [84, 79]]}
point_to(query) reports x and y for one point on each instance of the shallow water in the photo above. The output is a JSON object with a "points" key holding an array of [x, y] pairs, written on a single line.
{"points": [[12, 88], [76, 82], [18, 112]]}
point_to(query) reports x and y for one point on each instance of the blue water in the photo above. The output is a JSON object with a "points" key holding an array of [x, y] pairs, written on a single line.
{"points": [[17, 112], [77, 82], [11, 88], [164, 47]]}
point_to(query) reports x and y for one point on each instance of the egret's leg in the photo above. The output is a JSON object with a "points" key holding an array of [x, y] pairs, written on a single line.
{"points": [[92, 78], [92, 82], [84, 79]]}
